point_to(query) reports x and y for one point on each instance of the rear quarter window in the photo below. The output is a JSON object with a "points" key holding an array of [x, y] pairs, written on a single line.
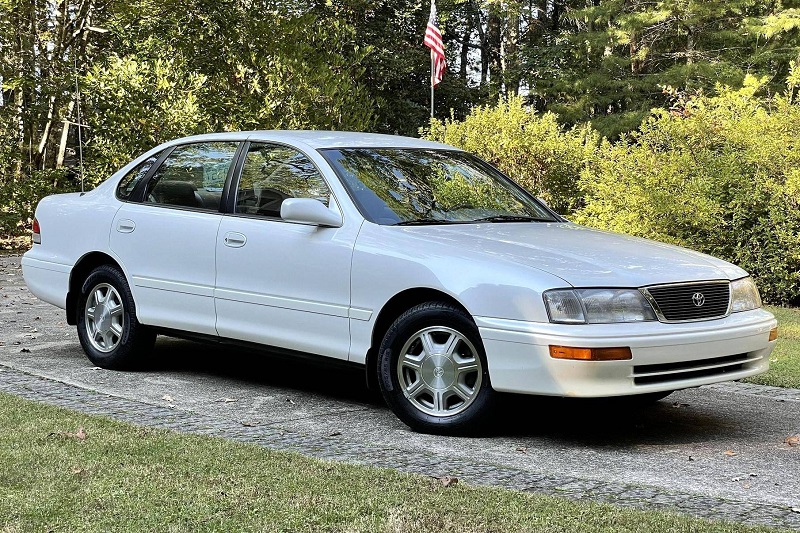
{"points": [[128, 183]]}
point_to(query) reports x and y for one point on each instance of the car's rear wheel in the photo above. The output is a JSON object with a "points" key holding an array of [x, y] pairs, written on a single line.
{"points": [[108, 330], [433, 371]]}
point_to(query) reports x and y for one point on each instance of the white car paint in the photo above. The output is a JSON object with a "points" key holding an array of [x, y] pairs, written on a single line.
{"points": [[321, 289]]}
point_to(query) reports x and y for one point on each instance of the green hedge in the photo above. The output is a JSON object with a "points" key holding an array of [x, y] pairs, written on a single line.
{"points": [[716, 174]]}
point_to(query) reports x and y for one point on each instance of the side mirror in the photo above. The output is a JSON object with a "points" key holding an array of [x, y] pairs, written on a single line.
{"points": [[309, 211]]}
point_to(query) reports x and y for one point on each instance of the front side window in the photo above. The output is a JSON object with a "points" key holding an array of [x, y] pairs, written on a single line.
{"points": [[128, 183], [271, 174], [423, 186], [193, 175]]}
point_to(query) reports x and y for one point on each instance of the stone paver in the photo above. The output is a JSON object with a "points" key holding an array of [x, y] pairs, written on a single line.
{"points": [[155, 416]]}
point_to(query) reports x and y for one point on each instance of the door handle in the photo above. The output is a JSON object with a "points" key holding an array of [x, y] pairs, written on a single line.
{"points": [[126, 226], [234, 239]]}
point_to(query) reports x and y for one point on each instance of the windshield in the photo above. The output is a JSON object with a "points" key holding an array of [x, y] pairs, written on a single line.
{"points": [[422, 186]]}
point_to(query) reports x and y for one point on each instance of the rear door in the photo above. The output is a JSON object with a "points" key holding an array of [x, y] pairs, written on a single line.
{"points": [[166, 238]]}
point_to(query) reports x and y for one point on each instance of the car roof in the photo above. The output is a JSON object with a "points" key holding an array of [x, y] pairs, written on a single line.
{"points": [[318, 139]]}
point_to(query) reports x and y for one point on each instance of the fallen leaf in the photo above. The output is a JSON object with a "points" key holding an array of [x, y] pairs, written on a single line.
{"points": [[447, 481], [522, 449], [80, 434], [226, 400], [76, 470], [730, 453], [335, 434], [737, 478], [793, 440], [796, 509], [96, 368], [167, 398], [249, 424]]}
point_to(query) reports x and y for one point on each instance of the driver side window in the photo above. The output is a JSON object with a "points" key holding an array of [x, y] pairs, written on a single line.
{"points": [[273, 173]]}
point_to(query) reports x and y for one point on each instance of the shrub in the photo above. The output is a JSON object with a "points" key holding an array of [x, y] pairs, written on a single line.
{"points": [[532, 149], [717, 174], [18, 199]]}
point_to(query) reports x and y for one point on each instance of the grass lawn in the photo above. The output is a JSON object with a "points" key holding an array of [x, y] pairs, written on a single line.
{"points": [[121, 477], [784, 364]]}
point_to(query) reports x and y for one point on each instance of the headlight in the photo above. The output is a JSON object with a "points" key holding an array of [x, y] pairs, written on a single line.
{"points": [[744, 295], [597, 306]]}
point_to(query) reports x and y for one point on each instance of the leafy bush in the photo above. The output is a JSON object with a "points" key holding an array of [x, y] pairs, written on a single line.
{"points": [[532, 149], [18, 199], [717, 174]]}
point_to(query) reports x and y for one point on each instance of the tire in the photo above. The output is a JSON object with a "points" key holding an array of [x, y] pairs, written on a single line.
{"points": [[432, 371], [108, 330]]}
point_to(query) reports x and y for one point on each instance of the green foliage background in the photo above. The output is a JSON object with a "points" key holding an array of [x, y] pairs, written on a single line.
{"points": [[672, 120], [716, 174]]}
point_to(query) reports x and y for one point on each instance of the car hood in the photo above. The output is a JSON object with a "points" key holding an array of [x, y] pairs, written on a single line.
{"points": [[579, 255]]}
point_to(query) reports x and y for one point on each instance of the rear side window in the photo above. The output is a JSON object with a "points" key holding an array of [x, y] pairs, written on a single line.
{"points": [[132, 178], [193, 175]]}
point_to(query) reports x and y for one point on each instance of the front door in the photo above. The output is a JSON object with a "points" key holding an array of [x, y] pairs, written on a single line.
{"points": [[280, 283]]}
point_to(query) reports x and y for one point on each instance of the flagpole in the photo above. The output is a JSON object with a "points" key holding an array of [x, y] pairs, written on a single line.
{"points": [[432, 74]]}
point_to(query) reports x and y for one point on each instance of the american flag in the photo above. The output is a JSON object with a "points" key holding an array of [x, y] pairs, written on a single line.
{"points": [[433, 40]]}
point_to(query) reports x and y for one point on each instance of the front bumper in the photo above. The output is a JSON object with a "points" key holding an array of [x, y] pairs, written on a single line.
{"points": [[665, 356]]}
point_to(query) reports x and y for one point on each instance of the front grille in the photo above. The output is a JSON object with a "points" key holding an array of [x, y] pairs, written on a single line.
{"points": [[715, 366], [679, 302]]}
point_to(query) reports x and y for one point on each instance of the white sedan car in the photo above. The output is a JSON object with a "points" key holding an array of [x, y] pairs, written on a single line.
{"points": [[440, 276]]}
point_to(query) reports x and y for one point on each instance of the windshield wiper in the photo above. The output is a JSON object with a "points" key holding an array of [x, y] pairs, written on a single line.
{"points": [[425, 222], [512, 218]]}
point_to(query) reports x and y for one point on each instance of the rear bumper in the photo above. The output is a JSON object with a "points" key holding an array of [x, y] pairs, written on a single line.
{"points": [[665, 356], [46, 280]]}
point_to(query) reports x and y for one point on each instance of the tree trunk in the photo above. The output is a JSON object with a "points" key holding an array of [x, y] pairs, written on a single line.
{"points": [[493, 44], [511, 66], [62, 146], [465, 42]]}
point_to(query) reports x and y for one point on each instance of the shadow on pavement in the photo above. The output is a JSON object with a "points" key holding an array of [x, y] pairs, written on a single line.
{"points": [[323, 376], [595, 422]]}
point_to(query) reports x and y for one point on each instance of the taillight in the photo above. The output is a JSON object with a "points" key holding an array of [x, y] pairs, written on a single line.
{"points": [[37, 232]]}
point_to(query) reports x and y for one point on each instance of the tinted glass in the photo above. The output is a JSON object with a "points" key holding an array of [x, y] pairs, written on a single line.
{"points": [[132, 178], [193, 175], [399, 186], [273, 173]]}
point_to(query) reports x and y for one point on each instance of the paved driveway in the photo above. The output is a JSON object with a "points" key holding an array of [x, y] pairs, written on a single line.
{"points": [[717, 451]]}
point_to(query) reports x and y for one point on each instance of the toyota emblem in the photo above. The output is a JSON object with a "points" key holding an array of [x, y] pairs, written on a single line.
{"points": [[698, 299]]}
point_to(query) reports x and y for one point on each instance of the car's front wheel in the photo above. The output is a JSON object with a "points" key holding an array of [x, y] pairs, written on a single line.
{"points": [[433, 371], [108, 330]]}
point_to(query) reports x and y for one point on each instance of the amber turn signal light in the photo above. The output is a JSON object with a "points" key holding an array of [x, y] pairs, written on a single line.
{"points": [[773, 334], [590, 354]]}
